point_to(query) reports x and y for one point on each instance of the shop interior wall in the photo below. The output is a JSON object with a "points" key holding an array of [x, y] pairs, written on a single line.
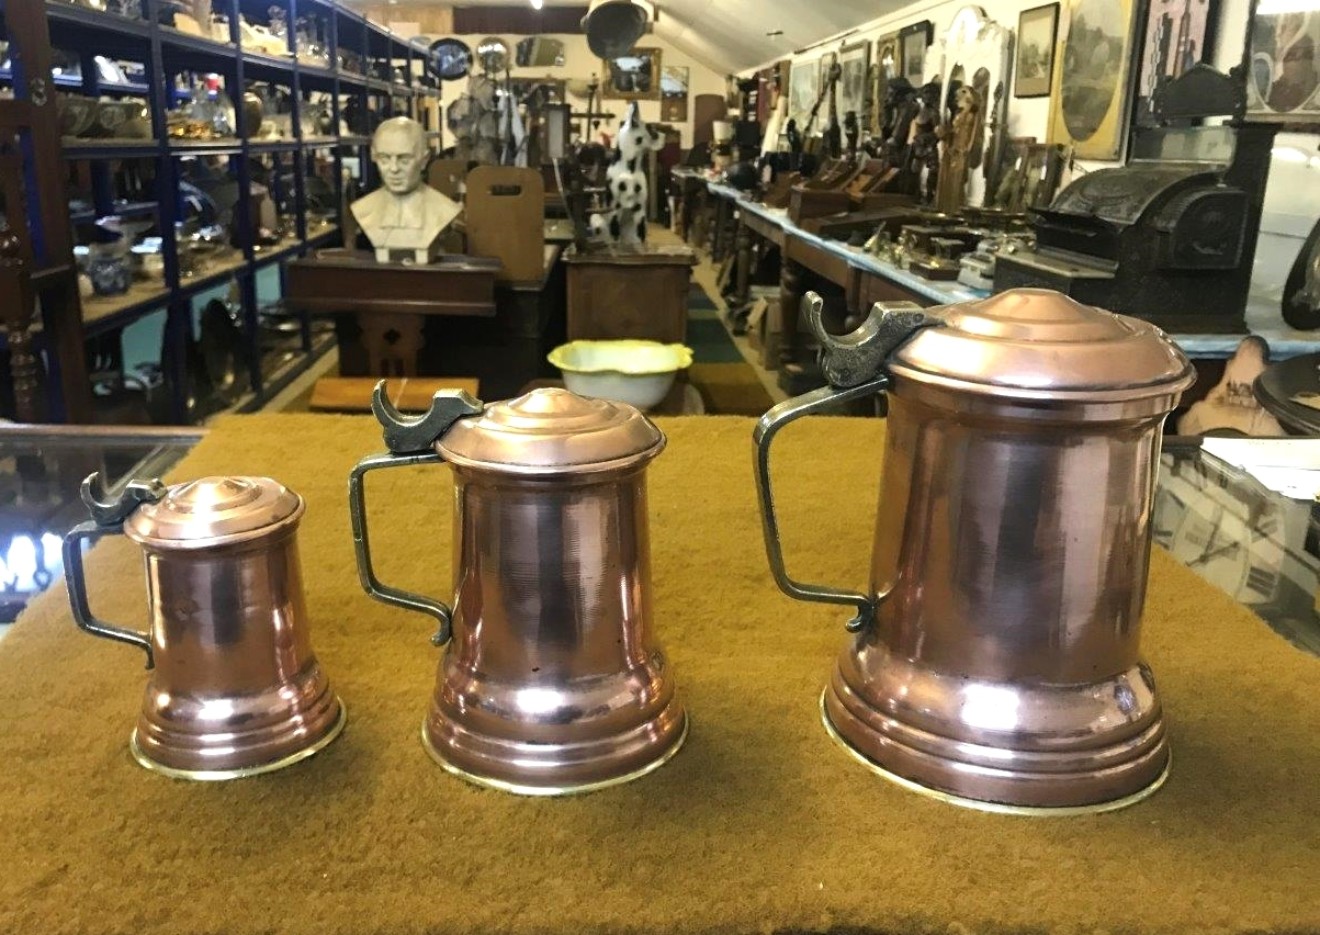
{"points": [[1292, 199], [579, 62]]}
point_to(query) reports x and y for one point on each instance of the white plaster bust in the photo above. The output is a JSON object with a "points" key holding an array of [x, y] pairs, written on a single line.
{"points": [[403, 215]]}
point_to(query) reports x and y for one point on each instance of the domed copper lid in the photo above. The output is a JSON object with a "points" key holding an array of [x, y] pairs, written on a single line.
{"points": [[1040, 344], [214, 511], [552, 431]]}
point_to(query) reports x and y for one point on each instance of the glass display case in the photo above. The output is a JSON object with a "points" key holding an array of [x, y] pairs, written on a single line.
{"points": [[1259, 546], [41, 470]]}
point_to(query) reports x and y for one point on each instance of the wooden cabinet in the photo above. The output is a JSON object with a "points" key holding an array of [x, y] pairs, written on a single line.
{"points": [[629, 292]]}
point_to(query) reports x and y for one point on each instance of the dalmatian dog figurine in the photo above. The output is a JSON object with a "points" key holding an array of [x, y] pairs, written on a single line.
{"points": [[624, 220]]}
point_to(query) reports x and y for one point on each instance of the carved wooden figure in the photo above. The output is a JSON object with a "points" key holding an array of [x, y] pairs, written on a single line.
{"points": [[958, 144]]}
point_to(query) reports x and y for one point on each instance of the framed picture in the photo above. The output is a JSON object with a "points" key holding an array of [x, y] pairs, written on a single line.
{"points": [[1178, 33], [1283, 84], [1037, 30], [913, 41], [1093, 77], [674, 93], [803, 88], [886, 67], [854, 65], [633, 77]]}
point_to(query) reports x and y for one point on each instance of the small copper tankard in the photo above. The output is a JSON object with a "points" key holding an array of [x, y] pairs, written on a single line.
{"points": [[235, 688], [995, 658], [554, 681]]}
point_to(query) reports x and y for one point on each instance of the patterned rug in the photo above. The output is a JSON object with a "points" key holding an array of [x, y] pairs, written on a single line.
{"points": [[727, 383]]}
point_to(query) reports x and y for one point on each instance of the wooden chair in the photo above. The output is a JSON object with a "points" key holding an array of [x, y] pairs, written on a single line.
{"points": [[506, 220]]}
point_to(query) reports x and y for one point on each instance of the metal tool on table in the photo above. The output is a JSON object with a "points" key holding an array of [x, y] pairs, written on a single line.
{"points": [[553, 681], [995, 654], [235, 688]]}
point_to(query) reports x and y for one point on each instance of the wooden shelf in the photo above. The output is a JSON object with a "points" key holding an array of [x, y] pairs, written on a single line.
{"points": [[142, 296], [165, 53]]}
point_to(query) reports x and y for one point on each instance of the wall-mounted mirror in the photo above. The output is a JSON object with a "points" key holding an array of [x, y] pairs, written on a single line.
{"points": [[539, 52], [635, 76], [449, 59], [493, 54]]}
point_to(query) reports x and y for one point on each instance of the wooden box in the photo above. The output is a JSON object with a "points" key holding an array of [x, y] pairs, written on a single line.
{"points": [[805, 203], [629, 292]]}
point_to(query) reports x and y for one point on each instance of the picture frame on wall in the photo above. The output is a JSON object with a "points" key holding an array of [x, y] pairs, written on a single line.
{"points": [[803, 89], [1033, 71], [1178, 34], [884, 68], [1094, 77], [632, 77], [913, 41], [1283, 82], [674, 84], [854, 66], [825, 63]]}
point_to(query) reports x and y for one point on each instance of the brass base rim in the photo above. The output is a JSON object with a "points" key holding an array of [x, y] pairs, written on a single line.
{"points": [[219, 775], [555, 791], [999, 808]]}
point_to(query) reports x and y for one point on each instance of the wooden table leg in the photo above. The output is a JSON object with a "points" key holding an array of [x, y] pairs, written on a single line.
{"points": [[742, 285], [718, 245], [790, 298]]}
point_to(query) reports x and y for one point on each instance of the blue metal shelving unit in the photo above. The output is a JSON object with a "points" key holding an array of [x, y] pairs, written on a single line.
{"points": [[167, 53]]}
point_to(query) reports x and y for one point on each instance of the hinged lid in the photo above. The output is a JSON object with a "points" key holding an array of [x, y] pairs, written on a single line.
{"points": [[552, 431], [214, 511], [1040, 344]]}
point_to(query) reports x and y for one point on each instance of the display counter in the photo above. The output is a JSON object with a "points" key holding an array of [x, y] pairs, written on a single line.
{"points": [[760, 823], [1263, 313]]}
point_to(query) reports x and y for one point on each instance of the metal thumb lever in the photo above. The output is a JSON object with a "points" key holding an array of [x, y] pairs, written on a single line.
{"points": [[111, 511], [414, 434], [853, 359]]}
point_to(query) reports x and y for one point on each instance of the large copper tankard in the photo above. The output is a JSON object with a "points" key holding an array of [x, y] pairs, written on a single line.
{"points": [[994, 660], [554, 681], [235, 688]]}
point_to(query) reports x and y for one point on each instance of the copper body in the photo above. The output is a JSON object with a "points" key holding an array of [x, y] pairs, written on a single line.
{"points": [[554, 681], [236, 687], [1004, 664], [995, 658]]}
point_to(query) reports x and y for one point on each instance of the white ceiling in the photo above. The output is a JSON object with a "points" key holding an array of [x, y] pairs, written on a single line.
{"points": [[730, 35]]}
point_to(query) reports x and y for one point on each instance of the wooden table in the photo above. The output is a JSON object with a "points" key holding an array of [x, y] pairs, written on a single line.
{"points": [[381, 307], [866, 280], [408, 394]]}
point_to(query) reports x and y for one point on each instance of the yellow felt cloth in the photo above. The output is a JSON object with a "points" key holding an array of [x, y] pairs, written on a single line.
{"points": [[760, 824]]}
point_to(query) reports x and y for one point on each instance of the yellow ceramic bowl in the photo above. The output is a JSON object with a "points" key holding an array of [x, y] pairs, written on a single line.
{"points": [[639, 373]]}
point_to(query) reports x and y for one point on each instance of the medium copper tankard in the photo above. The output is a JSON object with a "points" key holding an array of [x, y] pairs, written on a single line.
{"points": [[994, 660], [554, 681], [235, 688]]}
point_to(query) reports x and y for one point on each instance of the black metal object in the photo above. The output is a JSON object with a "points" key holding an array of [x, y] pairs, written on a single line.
{"points": [[1170, 240]]}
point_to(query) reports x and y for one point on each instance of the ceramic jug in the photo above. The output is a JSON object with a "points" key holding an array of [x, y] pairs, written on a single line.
{"points": [[235, 688], [554, 681], [994, 659]]}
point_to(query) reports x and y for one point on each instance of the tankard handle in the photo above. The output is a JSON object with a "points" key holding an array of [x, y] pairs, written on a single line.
{"points": [[410, 440], [854, 364], [357, 509], [108, 516], [766, 430]]}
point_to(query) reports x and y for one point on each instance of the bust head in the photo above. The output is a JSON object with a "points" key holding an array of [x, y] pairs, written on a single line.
{"points": [[399, 150]]}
